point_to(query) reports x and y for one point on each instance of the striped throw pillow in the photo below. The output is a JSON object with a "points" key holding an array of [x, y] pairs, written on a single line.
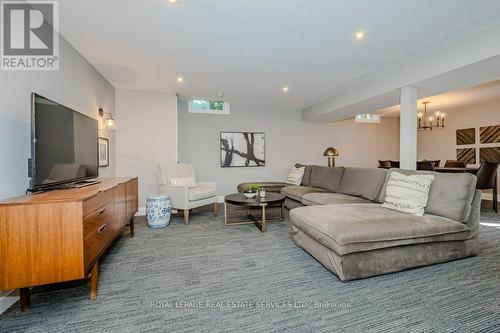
{"points": [[185, 181], [408, 194], [295, 176]]}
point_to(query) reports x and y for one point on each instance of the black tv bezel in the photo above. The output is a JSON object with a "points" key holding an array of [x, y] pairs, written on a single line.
{"points": [[33, 187]]}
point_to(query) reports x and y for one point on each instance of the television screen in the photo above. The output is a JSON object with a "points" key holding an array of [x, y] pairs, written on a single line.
{"points": [[64, 144]]}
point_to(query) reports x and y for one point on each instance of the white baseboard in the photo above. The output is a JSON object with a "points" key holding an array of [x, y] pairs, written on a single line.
{"points": [[7, 299], [141, 211]]}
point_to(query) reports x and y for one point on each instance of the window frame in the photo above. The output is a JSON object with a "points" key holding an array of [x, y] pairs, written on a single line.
{"points": [[368, 121], [226, 108]]}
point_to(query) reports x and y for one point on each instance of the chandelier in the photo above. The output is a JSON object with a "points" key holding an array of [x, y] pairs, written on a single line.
{"points": [[428, 123]]}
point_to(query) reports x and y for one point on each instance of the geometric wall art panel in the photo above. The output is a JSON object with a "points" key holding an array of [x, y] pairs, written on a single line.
{"points": [[466, 136], [491, 154], [490, 134], [467, 155]]}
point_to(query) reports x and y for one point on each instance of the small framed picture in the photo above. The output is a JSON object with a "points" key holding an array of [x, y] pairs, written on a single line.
{"points": [[103, 152]]}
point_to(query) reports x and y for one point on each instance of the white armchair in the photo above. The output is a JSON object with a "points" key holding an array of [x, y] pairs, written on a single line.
{"points": [[183, 197]]}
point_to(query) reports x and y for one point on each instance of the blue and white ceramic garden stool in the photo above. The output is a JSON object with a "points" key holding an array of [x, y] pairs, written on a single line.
{"points": [[158, 211]]}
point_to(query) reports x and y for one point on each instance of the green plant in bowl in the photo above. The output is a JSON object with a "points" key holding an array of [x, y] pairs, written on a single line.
{"points": [[254, 188]]}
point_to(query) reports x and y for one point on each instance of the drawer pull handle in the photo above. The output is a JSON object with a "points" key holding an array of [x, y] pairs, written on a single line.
{"points": [[101, 228], [101, 212]]}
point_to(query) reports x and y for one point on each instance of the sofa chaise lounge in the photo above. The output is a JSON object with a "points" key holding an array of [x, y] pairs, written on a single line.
{"points": [[338, 218]]}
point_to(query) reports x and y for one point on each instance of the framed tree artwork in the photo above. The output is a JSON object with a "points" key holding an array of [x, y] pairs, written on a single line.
{"points": [[242, 149], [103, 152]]}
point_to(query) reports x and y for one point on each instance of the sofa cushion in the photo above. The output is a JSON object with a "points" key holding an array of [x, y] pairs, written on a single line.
{"points": [[450, 196], [306, 180], [200, 193], [408, 194], [326, 177], [189, 182], [381, 261], [313, 199], [297, 192], [295, 176], [353, 228], [363, 182]]}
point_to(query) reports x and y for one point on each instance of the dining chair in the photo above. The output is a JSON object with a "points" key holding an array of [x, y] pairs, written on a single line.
{"points": [[384, 164], [487, 180], [426, 165], [394, 164], [454, 164]]}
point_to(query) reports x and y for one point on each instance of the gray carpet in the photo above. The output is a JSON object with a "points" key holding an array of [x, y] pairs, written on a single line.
{"points": [[203, 262]]}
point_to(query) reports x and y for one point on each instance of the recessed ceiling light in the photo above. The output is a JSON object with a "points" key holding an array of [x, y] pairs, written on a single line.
{"points": [[285, 89], [173, 2], [360, 35], [180, 79]]}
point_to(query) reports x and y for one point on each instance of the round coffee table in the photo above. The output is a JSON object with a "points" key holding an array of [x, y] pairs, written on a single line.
{"points": [[239, 199]]}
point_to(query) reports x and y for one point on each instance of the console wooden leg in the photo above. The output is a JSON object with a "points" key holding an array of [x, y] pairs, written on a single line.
{"points": [[186, 216], [25, 296], [216, 209], [132, 227], [94, 281]]}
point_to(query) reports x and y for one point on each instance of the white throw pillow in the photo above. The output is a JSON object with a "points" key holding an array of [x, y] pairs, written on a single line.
{"points": [[295, 176], [408, 194], [185, 181]]}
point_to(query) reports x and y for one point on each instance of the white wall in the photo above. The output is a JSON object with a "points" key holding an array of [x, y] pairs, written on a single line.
{"points": [[441, 144], [288, 140], [76, 84], [146, 136]]}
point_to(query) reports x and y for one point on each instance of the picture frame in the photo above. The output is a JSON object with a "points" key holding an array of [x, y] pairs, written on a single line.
{"points": [[103, 152], [242, 149]]}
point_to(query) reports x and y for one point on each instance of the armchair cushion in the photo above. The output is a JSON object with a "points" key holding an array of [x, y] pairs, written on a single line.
{"points": [[201, 192], [183, 181]]}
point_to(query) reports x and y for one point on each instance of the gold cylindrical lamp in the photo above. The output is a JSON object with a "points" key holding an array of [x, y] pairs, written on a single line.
{"points": [[331, 153]]}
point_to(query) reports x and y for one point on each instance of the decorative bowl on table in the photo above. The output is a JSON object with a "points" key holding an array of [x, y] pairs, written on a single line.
{"points": [[250, 194]]}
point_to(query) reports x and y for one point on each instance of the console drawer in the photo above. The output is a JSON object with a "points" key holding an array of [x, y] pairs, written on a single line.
{"points": [[95, 219], [97, 201], [97, 241]]}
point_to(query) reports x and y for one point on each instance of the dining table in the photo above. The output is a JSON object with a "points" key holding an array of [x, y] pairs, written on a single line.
{"points": [[471, 170], [457, 170]]}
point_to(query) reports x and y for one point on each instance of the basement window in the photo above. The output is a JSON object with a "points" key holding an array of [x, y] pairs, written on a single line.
{"points": [[367, 118], [211, 107]]}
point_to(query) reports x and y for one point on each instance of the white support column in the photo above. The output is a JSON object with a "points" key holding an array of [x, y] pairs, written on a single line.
{"points": [[408, 128]]}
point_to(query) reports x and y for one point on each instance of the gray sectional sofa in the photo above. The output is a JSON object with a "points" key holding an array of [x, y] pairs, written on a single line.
{"points": [[337, 217]]}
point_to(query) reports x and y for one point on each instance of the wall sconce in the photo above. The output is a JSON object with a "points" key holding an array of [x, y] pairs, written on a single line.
{"points": [[109, 122], [331, 153]]}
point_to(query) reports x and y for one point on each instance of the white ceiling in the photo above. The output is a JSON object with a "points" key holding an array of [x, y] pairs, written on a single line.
{"points": [[251, 48], [449, 101]]}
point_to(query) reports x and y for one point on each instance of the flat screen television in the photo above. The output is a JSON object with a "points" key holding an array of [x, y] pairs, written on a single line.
{"points": [[64, 145]]}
